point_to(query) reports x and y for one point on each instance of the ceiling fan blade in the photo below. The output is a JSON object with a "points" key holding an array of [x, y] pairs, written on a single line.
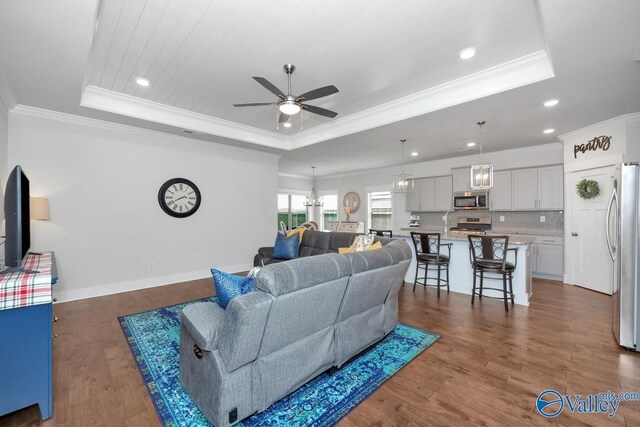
{"points": [[318, 93], [318, 110], [270, 87], [255, 104], [283, 118]]}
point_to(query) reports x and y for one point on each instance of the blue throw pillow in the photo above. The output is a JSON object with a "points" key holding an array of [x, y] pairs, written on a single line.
{"points": [[228, 286], [286, 247]]}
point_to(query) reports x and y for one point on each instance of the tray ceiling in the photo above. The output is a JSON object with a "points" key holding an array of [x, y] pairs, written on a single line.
{"points": [[390, 61]]}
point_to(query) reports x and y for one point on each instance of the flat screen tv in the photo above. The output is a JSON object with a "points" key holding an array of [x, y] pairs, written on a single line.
{"points": [[16, 215]]}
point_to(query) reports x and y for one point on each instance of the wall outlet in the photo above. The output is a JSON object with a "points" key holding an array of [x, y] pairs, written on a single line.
{"points": [[501, 218], [542, 218], [444, 217], [151, 265]]}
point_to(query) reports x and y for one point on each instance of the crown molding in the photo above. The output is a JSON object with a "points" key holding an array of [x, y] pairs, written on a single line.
{"points": [[130, 130], [293, 175], [131, 106], [519, 72], [625, 118], [472, 158], [6, 95]]}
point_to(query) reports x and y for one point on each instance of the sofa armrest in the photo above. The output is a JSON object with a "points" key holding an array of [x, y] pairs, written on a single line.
{"points": [[204, 322], [266, 252], [263, 253]]}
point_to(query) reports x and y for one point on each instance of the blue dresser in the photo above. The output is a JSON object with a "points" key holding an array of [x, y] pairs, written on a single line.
{"points": [[26, 342]]}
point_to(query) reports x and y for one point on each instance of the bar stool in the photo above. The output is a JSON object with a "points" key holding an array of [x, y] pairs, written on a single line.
{"points": [[488, 254], [381, 233], [430, 258]]}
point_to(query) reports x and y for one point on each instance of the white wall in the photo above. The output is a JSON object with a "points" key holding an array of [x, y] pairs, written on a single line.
{"points": [[4, 143], [106, 226], [358, 181], [294, 182]]}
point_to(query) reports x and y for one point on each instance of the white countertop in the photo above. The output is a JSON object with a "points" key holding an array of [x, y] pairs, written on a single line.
{"points": [[514, 238]]}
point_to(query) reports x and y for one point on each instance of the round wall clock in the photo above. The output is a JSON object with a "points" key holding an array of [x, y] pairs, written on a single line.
{"points": [[179, 197]]}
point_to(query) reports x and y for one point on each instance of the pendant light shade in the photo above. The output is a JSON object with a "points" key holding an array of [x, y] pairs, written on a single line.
{"points": [[315, 201], [482, 176], [482, 173], [403, 183]]}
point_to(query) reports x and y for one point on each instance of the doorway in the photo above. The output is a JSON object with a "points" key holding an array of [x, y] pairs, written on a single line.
{"points": [[591, 266]]}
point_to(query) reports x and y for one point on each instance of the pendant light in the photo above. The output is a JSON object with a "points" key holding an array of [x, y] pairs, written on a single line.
{"points": [[315, 201], [402, 183], [482, 173]]}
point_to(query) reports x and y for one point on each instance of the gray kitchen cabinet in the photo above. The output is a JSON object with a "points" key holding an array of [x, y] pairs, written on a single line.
{"points": [[427, 194], [524, 189], [443, 193], [500, 194], [551, 187], [549, 260], [461, 180], [547, 256], [413, 198]]}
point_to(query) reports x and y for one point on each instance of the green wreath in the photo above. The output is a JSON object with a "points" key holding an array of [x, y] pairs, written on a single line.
{"points": [[587, 189]]}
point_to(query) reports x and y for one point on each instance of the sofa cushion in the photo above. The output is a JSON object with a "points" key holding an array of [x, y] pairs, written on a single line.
{"points": [[228, 286], [203, 321], [285, 277]]}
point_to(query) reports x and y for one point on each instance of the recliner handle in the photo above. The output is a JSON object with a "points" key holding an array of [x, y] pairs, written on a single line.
{"points": [[198, 351]]}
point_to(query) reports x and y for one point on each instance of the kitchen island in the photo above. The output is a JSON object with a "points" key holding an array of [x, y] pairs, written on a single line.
{"points": [[461, 272]]}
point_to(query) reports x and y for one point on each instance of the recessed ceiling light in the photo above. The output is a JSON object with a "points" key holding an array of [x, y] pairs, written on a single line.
{"points": [[468, 53], [142, 82], [471, 144], [549, 130], [287, 124], [551, 103], [415, 153]]}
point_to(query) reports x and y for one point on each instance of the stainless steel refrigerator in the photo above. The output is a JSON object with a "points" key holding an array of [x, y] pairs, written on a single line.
{"points": [[623, 241]]}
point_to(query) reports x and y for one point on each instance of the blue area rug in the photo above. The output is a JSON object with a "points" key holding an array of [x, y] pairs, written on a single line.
{"points": [[154, 339]]}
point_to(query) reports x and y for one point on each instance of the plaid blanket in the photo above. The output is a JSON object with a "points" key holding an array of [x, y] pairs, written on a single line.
{"points": [[25, 289]]}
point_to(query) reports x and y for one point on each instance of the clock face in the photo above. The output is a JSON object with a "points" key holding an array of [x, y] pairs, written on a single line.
{"points": [[179, 197]]}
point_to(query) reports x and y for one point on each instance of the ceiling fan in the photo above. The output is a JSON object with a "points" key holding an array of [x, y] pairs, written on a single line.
{"points": [[290, 105]]}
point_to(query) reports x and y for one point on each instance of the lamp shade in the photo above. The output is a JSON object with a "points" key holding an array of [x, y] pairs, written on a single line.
{"points": [[39, 208], [402, 183], [482, 177]]}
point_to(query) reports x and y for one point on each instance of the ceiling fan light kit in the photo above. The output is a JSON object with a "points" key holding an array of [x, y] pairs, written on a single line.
{"points": [[290, 105]]}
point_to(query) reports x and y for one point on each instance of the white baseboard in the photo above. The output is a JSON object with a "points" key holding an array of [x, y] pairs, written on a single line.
{"points": [[134, 285]]}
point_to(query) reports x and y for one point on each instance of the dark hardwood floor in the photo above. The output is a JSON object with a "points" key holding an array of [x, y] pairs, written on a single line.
{"points": [[487, 369]]}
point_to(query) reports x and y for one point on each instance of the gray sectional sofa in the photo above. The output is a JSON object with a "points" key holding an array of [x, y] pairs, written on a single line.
{"points": [[305, 316]]}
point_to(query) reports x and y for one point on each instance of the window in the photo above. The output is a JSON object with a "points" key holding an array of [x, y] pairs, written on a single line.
{"points": [[379, 210], [329, 209], [291, 210]]}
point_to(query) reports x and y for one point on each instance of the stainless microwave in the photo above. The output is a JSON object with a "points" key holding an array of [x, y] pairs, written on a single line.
{"points": [[471, 201]]}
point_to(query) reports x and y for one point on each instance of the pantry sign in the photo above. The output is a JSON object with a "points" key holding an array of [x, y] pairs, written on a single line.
{"points": [[598, 143]]}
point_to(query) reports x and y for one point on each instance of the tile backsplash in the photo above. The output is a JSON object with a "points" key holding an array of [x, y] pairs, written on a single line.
{"points": [[513, 220]]}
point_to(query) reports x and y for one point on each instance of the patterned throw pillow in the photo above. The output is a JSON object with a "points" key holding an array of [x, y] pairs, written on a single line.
{"points": [[286, 247], [228, 286], [361, 243]]}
